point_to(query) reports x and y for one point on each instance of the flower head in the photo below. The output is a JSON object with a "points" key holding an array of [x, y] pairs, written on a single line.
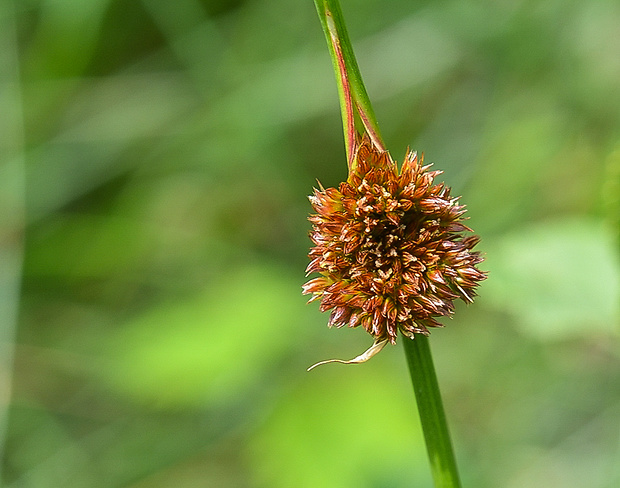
{"points": [[390, 246]]}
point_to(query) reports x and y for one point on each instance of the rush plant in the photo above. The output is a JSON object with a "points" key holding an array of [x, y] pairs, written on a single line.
{"points": [[391, 249]]}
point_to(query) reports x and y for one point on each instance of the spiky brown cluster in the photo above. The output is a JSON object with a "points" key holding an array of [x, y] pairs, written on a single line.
{"points": [[390, 247]]}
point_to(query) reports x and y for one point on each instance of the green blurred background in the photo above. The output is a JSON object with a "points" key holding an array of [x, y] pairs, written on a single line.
{"points": [[155, 162]]}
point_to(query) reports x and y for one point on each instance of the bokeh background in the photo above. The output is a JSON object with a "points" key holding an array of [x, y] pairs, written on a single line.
{"points": [[155, 162]]}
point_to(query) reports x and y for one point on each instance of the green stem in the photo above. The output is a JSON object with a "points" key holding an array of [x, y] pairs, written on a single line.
{"points": [[356, 109], [354, 102], [430, 409]]}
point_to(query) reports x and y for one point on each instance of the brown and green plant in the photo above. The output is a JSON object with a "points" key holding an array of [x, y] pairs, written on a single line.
{"points": [[390, 246]]}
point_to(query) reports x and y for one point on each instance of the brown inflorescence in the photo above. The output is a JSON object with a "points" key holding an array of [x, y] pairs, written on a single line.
{"points": [[391, 247]]}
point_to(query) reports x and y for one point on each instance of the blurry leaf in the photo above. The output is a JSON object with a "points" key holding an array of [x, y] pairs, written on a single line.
{"points": [[342, 427], [412, 52], [100, 125], [594, 39], [559, 279], [65, 37], [522, 137], [209, 348], [611, 194], [88, 246], [126, 108], [47, 454]]}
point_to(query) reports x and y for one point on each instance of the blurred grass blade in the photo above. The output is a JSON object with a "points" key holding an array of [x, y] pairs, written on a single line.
{"points": [[11, 205]]}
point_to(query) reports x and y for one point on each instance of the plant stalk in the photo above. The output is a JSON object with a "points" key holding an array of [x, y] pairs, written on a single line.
{"points": [[358, 117], [430, 409], [354, 102]]}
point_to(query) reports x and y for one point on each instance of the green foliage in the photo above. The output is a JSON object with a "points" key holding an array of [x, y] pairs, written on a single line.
{"points": [[358, 432], [216, 344], [544, 275]]}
